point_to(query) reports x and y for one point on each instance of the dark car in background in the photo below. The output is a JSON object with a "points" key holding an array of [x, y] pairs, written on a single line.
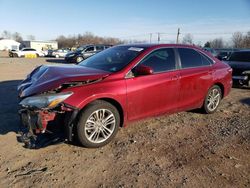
{"points": [[240, 63], [84, 52], [223, 55]]}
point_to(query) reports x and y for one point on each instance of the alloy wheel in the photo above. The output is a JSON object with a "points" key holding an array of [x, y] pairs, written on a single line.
{"points": [[213, 99], [100, 125]]}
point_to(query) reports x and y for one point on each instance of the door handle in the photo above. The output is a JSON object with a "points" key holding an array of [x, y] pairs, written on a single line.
{"points": [[176, 77], [210, 72]]}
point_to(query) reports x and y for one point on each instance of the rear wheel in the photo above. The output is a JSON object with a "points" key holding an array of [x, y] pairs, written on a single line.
{"points": [[212, 99], [98, 124]]}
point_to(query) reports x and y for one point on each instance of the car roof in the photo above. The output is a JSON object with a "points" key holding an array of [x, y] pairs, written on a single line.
{"points": [[89, 45], [245, 50], [146, 45]]}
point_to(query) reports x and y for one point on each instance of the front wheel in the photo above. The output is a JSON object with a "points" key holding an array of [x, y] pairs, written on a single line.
{"points": [[98, 124], [212, 99], [79, 59]]}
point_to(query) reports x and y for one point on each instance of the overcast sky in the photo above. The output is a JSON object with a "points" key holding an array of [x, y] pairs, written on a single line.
{"points": [[126, 19]]}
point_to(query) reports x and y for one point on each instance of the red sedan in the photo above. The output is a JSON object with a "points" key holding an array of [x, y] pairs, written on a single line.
{"points": [[118, 85]]}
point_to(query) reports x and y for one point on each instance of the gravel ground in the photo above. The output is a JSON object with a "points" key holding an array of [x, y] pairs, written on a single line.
{"points": [[187, 149]]}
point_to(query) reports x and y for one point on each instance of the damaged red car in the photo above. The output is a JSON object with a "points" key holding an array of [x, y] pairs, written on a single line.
{"points": [[91, 100]]}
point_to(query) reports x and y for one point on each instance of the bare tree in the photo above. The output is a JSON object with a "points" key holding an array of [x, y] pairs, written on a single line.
{"points": [[237, 39], [207, 45], [82, 39], [247, 40], [187, 39], [217, 43], [6, 34], [31, 37], [17, 37]]}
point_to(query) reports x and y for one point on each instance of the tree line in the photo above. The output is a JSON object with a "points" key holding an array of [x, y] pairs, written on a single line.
{"points": [[238, 40]]}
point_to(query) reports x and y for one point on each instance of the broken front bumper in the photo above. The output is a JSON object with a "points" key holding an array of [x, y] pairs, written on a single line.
{"points": [[32, 124], [34, 132]]}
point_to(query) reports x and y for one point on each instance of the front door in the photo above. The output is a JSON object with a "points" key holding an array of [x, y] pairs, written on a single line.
{"points": [[149, 95]]}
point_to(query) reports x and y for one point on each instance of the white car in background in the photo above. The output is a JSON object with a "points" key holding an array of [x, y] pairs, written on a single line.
{"points": [[60, 53], [26, 51]]}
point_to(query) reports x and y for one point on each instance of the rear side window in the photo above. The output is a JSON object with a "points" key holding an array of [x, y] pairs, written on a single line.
{"points": [[205, 60], [189, 58], [160, 60], [98, 48], [240, 56]]}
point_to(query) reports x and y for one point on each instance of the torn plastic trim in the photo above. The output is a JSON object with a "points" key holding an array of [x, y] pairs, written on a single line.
{"points": [[35, 121], [75, 84]]}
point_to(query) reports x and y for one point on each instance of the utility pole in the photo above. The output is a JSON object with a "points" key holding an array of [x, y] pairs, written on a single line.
{"points": [[159, 38], [150, 37], [178, 33]]}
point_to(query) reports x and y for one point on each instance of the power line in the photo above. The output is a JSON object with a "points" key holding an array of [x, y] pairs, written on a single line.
{"points": [[183, 33]]}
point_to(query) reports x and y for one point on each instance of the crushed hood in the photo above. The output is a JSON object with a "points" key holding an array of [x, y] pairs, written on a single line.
{"points": [[45, 78]]}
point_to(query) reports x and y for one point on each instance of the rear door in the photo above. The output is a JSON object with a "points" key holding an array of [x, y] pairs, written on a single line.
{"points": [[156, 93], [195, 77], [89, 52]]}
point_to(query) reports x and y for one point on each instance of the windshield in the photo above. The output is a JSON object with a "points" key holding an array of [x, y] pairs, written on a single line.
{"points": [[240, 56], [112, 59], [81, 48]]}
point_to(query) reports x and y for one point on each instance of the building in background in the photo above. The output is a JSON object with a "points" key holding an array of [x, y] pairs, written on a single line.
{"points": [[40, 45], [9, 44]]}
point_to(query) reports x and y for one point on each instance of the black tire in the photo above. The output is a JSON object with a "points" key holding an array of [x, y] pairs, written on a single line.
{"points": [[37, 55], [206, 107], [86, 114]]}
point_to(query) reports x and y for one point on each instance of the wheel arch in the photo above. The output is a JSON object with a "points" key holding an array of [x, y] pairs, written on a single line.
{"points": [[115, 103], [221, 87]]}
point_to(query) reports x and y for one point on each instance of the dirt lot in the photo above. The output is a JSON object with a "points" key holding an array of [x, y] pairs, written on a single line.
{"points": [[187, 149]]}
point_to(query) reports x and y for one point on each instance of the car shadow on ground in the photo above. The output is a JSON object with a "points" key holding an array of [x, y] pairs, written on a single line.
{"points": [[9, 119], [245, 101], [55, 60]]}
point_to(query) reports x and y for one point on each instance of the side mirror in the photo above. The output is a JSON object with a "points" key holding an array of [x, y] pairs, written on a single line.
{"points": [[143, 70]]}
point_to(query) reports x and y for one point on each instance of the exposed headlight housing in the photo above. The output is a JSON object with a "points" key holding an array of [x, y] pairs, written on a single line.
{"points": [[45, 101]]}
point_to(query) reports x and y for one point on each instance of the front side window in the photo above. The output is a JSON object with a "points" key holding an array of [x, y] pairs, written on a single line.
{"points": [[160, 60], [90, 49]]}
